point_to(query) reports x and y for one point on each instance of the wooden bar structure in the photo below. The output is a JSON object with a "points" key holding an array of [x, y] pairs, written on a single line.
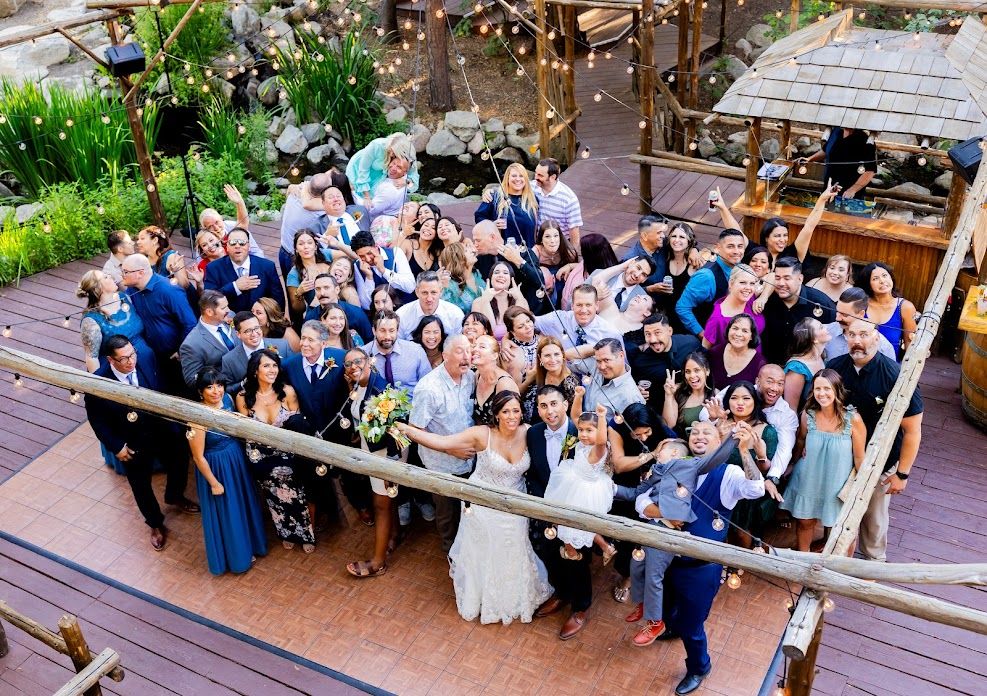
{"points": [[89, 667], [646, 81]]}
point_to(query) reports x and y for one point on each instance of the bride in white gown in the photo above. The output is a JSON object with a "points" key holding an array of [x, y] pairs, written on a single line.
{"points": [[495, 573]]}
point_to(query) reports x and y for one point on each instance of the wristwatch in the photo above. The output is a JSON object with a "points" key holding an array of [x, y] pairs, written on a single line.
{"points": [[901, 475], [773, 479]]}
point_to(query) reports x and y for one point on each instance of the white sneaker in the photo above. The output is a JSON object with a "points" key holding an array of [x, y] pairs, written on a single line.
{"points": [[428, 511], [404, 514]]}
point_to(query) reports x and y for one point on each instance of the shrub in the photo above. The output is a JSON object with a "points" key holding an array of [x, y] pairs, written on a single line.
{"points": [[204, 38], [221, 131], [809, 13], [82, 136], [318, 85]]}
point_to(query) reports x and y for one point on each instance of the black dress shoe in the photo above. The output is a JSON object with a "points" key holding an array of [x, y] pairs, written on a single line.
{"points": [[669, 634], [691, 682]]}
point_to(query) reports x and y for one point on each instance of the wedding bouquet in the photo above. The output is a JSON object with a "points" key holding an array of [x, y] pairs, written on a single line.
{"points": [[382, 412]]}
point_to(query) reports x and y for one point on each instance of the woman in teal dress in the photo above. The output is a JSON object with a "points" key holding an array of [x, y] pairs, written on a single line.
{"points": [[107, 315], [232, 522], [368, 166], [743, 403], [831, 440]]}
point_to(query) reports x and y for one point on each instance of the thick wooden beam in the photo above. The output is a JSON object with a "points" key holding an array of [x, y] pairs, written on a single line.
{"points": [[646, 79], [954, 203], [569, 82], [598, 4], [128, 4], [682, 68], [808, 613], [78, 649], [83, 47], [793, 18], [496, 497], [753, 161], [970, 6], [54, 27], [541, 74], [88, 679], [164, 47]]}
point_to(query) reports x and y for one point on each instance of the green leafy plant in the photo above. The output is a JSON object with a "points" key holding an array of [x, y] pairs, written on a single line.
{"points": [[239, 135], [201, 40], [927, 20], [809, 12], [334, 87], [463, 28], [67, 136]]}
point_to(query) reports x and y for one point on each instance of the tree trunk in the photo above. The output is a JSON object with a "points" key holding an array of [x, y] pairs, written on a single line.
{"points": [[389, 21], [439, 83]]}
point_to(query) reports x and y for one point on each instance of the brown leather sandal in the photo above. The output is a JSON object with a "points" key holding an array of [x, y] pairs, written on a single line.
{"points": [[365, 569]]}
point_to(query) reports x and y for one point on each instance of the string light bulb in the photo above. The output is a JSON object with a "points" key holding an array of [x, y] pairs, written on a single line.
{"points": [[294, 171], [746, 161], [18, 382], [778, 14], [922, 161], [671, 78], [642, 124], [712, 79], [551, 35], [681, 491], [718, 524], [407, 25], [190, 434], [733, 581], [74, 396], [638, 554], [392, 491], [516, 29], [467, 510], [69, 123], [598, 96], [7, 330], [3, 119], [908, 15], [550, 533], [65, 323], [344, 422], [150, 188], [519, 71], [439, 14], [803, 169], [624, 190], [828, 605], [38, 120], [630, 69], [351, 79], [877, 46], [585, 153], [694, 145]]}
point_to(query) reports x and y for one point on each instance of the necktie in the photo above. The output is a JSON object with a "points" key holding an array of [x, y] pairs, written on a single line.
{"points": [[388, 370], [620, 297], [241, 271], [224, 338], [313, 371], [580, 336], [339, 221], [131, 380]]}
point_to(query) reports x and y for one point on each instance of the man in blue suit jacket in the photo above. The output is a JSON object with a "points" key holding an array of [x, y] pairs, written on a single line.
{"points": [[134, 436], [317, 376], [547, 445], [243, 277]]}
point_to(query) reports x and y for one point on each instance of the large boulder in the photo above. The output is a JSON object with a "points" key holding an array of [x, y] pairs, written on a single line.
{"points": [[270, 152], [770, 149], [496, 137], [267, 91], [759, 35], [27, 211], [5, 212], [420, 135], [9, 7], [5, 192], [510, 154], [707, 148], [399, 113], [910, 187], [944, 180], [462, 124], [291, 141], [331, 153], [440, 199], [444, 143], [734, 66], [314, 133], [245, 20], [734, 153], [29, 61], [220, 86], [901, 139], [745, 48], [477, 144], [276, 126]]}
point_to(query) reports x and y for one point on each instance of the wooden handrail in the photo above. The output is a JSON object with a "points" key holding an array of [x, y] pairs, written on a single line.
{"points": [[101, 665], [793, 567], [53, 27]]}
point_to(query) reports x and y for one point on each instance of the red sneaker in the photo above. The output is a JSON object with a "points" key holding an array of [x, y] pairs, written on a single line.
{"points": [[635, 615], [649, 634]]}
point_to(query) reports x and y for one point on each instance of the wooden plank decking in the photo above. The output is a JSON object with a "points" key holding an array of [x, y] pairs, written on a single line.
{"points": [[162, 652]]}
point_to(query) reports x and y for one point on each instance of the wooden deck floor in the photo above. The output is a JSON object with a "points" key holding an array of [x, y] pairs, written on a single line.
{"points": [[162, 652], [865, 650]]}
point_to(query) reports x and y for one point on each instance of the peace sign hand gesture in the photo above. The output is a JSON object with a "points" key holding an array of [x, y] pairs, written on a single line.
{"points": [[670, 384]]}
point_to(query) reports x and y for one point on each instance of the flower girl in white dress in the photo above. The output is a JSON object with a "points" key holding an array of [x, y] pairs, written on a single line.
{"points": [[585, 482]]}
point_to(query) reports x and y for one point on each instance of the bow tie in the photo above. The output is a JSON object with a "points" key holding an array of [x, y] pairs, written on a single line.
{"points": [[549, 435]]}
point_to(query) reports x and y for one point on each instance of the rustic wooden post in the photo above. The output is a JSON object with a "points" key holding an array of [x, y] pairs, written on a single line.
{"points": [[697, 26], [78, 651], [541, 62], [793, 20], [682, 66], [753, 162], [786, 139], [140, 143], [723, 26], [4, 645], [801, 673], [646, 78], [569, 82], [954, 204]]}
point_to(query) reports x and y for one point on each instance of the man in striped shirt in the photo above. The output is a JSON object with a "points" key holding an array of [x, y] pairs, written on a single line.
{"points": [[556, 201]]}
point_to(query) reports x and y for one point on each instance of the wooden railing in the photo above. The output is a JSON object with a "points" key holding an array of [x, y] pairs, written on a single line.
{"points": [[69, 641]]}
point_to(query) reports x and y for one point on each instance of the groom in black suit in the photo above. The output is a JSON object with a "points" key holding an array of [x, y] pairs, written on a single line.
{"points": [[547, 445]]}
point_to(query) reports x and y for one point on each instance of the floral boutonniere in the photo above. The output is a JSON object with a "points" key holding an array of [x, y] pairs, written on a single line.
{"points": [[879, 401], [357, 215], [328, 365], [273, 349], [567, 445]]}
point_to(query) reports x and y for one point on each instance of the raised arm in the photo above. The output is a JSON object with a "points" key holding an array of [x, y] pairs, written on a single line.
{"points": [[729, 221], [600, 445], [805, 234], [474, 438], [242, 216]]}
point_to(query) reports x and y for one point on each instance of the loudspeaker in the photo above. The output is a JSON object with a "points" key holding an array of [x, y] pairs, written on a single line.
{"points": [[125, 59], [966, 158]]}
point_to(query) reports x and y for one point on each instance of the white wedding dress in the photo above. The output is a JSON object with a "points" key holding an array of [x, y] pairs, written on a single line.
{"points": [[495, 572]]}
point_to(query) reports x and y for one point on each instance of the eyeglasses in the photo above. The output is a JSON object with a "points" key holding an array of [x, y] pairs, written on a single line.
{"points": [[132, 270], [254, 330], [237, 242], [356, 362], [123, 358]]}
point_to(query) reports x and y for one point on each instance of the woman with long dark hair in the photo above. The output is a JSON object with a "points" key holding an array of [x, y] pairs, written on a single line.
{"points": [[501, 294], [231, 519], [739, 358], [595, 253], [554, 252], [809, 339], [308, 263], [430, 334], [273, 322], [266, 397], [893, 314], [684, 402], [830, 444]]}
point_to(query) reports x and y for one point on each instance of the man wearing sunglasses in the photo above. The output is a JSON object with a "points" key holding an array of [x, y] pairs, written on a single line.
{"points": [[243, 277]]}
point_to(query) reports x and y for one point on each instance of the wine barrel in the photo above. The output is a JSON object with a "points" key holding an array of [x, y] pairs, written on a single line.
{"points": [[973, 379]]}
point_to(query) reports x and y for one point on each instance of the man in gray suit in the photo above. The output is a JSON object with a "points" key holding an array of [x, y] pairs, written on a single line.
{"points": [[251, 340], [210, 340]]}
